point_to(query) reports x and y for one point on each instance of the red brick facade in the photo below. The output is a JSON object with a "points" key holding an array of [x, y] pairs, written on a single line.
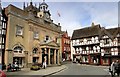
{"points": [[66, 52]]}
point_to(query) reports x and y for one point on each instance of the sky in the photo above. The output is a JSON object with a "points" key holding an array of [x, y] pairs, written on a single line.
{"points": [[77, 14]]}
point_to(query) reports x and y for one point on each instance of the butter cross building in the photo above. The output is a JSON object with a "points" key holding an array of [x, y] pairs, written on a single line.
{"points": [[31, 35]]}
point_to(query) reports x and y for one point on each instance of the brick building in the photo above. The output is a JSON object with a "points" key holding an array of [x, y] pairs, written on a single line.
{"points": [[66, 52]]}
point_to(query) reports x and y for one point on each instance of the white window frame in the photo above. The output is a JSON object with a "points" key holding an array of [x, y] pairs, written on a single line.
{"points": [[18, 50], [19, 30], [36, 35]]}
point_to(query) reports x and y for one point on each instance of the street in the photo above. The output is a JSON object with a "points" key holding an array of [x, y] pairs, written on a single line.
{"points": [[72, 69], [84, 70]]}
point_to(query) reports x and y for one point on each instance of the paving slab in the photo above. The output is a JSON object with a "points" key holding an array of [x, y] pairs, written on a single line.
{"points": [[42, 72]]}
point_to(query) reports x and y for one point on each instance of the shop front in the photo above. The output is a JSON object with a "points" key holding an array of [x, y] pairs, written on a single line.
{"points": [[95, 59]]}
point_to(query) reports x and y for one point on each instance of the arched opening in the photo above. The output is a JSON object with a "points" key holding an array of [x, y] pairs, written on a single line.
{"points": [[35, 55], [19, 56]]}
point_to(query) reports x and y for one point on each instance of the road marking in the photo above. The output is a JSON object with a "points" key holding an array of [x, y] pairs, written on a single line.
{"points": [[106, 69], [60, 71]]}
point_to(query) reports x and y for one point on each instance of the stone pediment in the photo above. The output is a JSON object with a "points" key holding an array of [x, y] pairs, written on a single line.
{"points": [[51, 43]]}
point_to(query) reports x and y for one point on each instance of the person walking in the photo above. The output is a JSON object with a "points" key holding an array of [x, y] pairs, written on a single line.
{"points": [[44, 63], [117, 67], [112, 68]]}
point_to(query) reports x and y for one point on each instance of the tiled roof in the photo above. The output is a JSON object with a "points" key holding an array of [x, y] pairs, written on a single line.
{"points": [[95, 30], [86, 32], [114, 31]]}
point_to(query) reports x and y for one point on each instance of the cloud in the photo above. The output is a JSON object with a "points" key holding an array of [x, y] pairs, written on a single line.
{"points": [[82, 14], [76, 15], [105, 14]]}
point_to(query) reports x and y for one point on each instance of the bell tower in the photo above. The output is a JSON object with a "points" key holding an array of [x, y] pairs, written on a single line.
{"points": [[43, 11], [43, 6]]}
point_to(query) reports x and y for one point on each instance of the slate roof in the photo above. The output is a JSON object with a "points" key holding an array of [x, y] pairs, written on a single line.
{"points": [[86, 32], [95, 30], [114, 31], [105, 32]]}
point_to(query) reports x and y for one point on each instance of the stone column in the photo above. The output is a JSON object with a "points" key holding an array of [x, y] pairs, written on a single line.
{"points": [[49, 57], [45, 53], [58, 57], [40, 55], [26, 59], [55, 56]]}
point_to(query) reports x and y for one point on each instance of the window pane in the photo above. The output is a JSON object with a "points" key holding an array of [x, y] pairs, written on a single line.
{"points": [[19, 30], [36, 35], [18, 49], [35, 51], [47, 37]]}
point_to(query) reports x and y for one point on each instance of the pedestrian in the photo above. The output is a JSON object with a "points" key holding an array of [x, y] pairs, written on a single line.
{"points": [[44, 63], [112, 68], [117, 67]]}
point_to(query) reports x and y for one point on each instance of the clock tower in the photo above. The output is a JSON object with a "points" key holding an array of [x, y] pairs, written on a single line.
{"points": [[43, 11]]}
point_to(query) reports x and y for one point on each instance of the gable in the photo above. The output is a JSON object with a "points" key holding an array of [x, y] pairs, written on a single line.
{"points": [[51, 44], [54, 44]]}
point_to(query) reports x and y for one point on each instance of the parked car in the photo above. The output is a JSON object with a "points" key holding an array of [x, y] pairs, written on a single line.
{"points": [[2, 74], [36, 66]]}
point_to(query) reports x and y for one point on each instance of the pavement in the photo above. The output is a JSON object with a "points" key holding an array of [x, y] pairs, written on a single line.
{"points": [[42, 72], [45, 72]]}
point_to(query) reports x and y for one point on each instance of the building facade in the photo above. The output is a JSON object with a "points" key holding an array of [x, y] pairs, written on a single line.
{"points": [[110, 45], [89, 45], [32, 37], [66, 50], [3, 26]]}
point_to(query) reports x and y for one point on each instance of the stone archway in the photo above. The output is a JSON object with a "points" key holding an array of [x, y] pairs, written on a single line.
{"points": [[18, 56], [36, 54]]}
